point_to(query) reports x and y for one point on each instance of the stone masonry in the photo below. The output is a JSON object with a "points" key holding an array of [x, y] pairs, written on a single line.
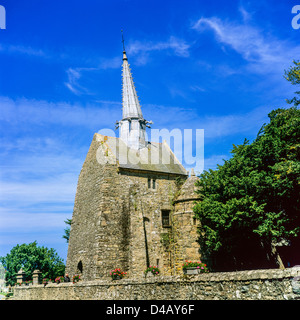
{"points": [[269, 284]]}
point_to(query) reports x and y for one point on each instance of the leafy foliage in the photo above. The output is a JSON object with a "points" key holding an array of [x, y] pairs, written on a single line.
{"points": [[152, 269], [67, 230], [252, 200], [293, 75], [117, 273], [30, 257]]}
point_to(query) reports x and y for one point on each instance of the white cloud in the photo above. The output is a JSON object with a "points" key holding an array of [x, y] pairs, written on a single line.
{"points": [[37, 195], [30, 222], [264, 52], [245, 14], [38, 178], [75, 74], [42, 177], [214, 126], [179, 46], [41, 112], [197, 88], [177, 116], [58, 188], [37, 189], [138, 49], [20, 49], [110, 63], [141, 49], [227, 125]]}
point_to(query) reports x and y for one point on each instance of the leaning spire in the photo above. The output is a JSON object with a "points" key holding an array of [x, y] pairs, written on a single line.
{"points": [[131, 104], [133, 125]]}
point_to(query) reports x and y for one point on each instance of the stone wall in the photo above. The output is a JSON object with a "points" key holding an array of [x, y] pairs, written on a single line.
{"points": [[267, 284]]}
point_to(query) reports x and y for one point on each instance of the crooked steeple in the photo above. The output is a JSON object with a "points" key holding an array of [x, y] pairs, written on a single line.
{"points": [[131, 104], [133, 125]]}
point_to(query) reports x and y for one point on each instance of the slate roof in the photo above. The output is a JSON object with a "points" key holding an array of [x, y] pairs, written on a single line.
{"points": [[155, 157]]}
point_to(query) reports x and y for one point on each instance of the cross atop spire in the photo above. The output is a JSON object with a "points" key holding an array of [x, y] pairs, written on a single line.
{"points": [[124, 51], [123, 41]]}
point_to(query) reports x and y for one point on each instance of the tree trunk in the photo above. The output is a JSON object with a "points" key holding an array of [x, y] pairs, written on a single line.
{"points": [[277, 256]]}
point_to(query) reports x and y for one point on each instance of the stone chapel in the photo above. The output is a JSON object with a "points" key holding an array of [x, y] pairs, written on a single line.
{"points": [[132, 208]]}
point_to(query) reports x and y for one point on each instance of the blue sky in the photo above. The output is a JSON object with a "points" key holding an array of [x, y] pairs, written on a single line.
{"points": [[212, 65]]}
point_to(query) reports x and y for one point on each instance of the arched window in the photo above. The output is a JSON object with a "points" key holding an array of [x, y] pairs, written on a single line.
{"points": [[153, 184], [79, 266]]}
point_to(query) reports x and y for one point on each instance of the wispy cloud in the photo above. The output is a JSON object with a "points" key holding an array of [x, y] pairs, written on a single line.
{"points": [[37, 189], [38, 177], [75, 74], [38, 169], [244, 123], [245, 14], [30, 222], [21, 49], [72, 84], [139, 49], [197, 88], [215, 127], [59, 188], [178, 47], [262, 50], [110, 63], [41, 112]]}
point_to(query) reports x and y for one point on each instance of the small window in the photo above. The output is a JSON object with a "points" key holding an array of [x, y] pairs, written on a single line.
{"points": [[165, 216], [154, 184], [194, 221], [151, 183], [79, 266]]}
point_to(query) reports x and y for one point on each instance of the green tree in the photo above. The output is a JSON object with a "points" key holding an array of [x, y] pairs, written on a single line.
{"points": [[253, 200], [293, 76], [30, 257], [67, 230]]}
